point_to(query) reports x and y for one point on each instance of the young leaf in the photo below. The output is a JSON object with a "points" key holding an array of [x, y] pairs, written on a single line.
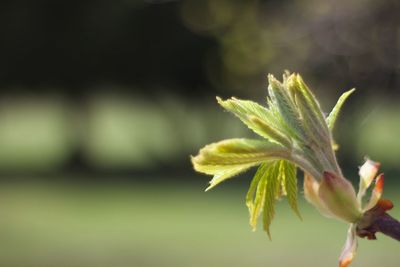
{"points": [[311, 99], [257, 188], [222, 173], [287, 109], [309, 110], [257, 118], [288, 174], [272, 190], [250, 199], [230, 157], [277, 119], [269, 182], [271, 133], [335, 111], [313, 126]]}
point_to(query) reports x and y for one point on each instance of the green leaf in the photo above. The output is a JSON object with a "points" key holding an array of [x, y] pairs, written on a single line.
{"points": [[335, 111], [256, 194], [311, 123], [312, 118], [271, 181], [288, 174], [311, 99], [223, 173], [288, 111], [230, 157], [257, 118], [271, 133], [272, 190], [277, 120]]}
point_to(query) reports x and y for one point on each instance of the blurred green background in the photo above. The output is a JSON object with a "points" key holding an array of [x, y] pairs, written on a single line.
{"points": [[102, 102]]}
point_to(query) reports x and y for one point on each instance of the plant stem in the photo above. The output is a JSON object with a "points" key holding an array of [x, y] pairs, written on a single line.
{"points": [[383, 223], [388, 225]]}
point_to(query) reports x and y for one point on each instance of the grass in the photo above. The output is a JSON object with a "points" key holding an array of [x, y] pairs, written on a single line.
{"points": [[165, 225]]}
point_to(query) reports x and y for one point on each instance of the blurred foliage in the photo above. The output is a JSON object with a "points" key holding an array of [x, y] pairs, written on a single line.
{"points": [[135, 80], [34, 133], [116, 131], [346, 42]]}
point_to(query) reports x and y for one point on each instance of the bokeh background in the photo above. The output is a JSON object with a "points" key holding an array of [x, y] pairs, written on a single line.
{"points": [[102, 102]]}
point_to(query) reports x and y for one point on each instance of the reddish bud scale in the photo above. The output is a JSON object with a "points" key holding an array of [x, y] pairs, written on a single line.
{"points": [[345, 263], [385, 204], [380, 180]]}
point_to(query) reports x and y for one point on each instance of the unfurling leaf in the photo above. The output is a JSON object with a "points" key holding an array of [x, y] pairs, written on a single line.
{"points": [[221, 174], [288, 176], [271, 133], [311, 99], [270, 181], [230, 157], [315, 128], [257, 118], [272, 190], [256, 194], [309, 110], [280, 97], [335, 111]]}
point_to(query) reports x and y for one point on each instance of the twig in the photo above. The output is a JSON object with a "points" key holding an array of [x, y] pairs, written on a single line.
{"points": [[377, 220], [387, 225]]}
